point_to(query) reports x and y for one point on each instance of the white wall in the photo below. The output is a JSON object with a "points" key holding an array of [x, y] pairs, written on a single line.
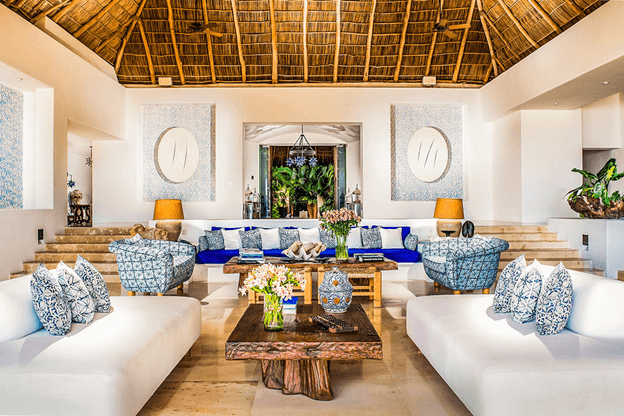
{"points": [[507, 168], [77, 152], [602, 125], [117, 198], [80, 92]]}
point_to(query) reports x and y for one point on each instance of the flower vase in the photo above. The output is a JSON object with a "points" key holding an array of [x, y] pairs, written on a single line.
{"points": [[273, 313], [342, 253]]}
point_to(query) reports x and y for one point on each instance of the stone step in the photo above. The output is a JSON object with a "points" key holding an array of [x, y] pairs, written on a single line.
{"points": [[537, 245], [71, 257], [514, 229], [526, 237], [108, 268], [97, 231], [569, 264], [77, 248], [541, 254], [88, 239]]}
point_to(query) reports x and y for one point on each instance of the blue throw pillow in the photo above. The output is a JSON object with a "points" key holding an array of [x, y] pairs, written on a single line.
{"points": [[49, 302], [251, 239], [95, 284], [555, 302], [203, 243], [327, 238], [525, 293], [411, 242], [287, 237], [371, 238], [505, 285], [215, 240], [76, 294]]}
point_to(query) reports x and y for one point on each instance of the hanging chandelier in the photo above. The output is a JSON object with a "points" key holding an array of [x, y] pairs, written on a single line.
{"points": [[301, 152]]}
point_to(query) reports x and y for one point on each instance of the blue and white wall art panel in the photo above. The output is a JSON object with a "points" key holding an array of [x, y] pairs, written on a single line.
{"points": [[198, 121], [427, 152], [11, 148]]}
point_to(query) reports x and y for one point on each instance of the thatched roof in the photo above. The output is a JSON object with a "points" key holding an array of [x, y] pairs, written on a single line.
{"points": [[309, 41]]}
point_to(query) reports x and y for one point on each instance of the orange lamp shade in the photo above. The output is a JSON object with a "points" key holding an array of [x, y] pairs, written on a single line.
{"points": [[168, 209], [449, 209]]}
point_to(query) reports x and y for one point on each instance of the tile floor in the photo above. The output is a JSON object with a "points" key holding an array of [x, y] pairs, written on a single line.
{"points": [[403, 383]]}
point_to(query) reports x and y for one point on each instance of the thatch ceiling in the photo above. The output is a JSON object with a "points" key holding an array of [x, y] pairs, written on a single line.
{"points": [[295, 41]]}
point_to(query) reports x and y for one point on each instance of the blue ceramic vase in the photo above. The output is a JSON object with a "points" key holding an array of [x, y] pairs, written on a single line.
{"points": [[335, 291]]}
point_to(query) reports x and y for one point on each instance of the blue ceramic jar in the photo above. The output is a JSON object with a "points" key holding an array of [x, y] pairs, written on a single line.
{"points": [[335, 291]]}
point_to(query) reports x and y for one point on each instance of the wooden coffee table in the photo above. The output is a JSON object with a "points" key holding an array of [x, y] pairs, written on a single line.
{"points": [[296, 359], [307, 267]]}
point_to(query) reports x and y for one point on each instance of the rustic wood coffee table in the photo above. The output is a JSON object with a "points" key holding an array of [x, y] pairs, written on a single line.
{"points": [[296, 359], [307, 267]]}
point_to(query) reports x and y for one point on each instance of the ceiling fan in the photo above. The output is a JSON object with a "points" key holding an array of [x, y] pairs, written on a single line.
{"points": [[198, 27], [442, 26]]}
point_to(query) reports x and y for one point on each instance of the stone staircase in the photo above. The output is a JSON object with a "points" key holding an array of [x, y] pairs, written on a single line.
{"points": [[90, 243], [535, 242]]}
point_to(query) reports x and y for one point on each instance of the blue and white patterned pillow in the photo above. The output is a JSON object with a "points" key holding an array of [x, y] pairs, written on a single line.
{"points": [[95, 284], [371, 238], [215, 240], [327, 238], [525, 293], [555, 302], [251, 239], [203, 243], [411, 242], [505, 285], [287, 237], [49, 302], [76, 294], [136, 240]]}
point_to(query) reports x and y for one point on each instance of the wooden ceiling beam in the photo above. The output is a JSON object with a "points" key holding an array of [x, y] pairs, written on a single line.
{"points": [[369, 40], [305, 40], [576, 8], [213, 75], [462, 48], [337, 54], [546, 16], [408, 13], [49, 11], [517, 23], [488, 72], [433, 41], [174, 42], [95, 18], [147, 52], [274, 77], [238, 41], [125, 39], [63, 11], [19, 4], [114, 35], [486, 31], [499, 34]]}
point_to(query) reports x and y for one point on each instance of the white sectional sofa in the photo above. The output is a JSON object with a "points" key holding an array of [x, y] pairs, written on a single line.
{"points": [[111, 366], [498, 367]]}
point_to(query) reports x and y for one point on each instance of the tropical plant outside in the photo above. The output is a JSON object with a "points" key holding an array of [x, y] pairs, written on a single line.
{"points": [[302, 185]]}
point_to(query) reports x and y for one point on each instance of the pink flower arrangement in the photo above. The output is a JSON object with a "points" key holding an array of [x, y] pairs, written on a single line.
{"points": [[339, 221], [273, 280]]}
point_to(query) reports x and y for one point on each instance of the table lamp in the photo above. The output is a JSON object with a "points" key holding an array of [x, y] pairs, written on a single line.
{"points": [[449, 211], [167, 211]]}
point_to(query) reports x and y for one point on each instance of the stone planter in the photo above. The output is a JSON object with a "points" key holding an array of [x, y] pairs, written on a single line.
{"points": [[594, 208]]}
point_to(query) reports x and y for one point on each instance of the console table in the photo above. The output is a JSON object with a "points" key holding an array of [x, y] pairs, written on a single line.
{"points": [[79, 216]]}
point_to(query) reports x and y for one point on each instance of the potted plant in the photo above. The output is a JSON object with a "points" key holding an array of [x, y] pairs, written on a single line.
{"points": [[277, 284], [592, 199], [317, 183]]}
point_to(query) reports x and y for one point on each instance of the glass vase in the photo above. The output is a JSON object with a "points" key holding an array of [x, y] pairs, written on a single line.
{"points": [[273, 313], [342, 253]]}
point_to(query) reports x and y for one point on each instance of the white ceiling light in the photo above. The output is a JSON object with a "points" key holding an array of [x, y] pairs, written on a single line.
{"points": [[606, 82]]}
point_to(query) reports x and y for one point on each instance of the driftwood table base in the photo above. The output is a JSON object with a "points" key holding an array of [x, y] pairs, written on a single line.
{"points": [[307, 377]]}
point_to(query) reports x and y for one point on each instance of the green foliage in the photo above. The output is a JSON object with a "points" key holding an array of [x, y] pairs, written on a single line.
{"points": [[302, 185], [597, 186]]}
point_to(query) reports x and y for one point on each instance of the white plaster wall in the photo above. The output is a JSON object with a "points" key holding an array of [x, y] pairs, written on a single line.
{"points": [[80, 92], [81, 173], [551, 147], [602, 123], [507, 168], [117, 197]]}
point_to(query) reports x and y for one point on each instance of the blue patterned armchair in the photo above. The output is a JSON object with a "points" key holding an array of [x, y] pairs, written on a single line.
{"points": [[153, 265], [463, 263]]}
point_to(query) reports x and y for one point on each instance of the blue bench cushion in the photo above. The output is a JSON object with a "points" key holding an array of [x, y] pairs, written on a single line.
{"points": [[400, 255]]}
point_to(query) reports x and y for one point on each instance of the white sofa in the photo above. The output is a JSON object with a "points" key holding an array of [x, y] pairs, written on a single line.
{"points": [[499, 367], [111, 366]]}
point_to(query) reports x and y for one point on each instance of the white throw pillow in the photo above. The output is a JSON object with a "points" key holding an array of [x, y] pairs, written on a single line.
{"points": [[391, 237], [309, 235], [270, 238], [354, 240], [232, 239]]}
